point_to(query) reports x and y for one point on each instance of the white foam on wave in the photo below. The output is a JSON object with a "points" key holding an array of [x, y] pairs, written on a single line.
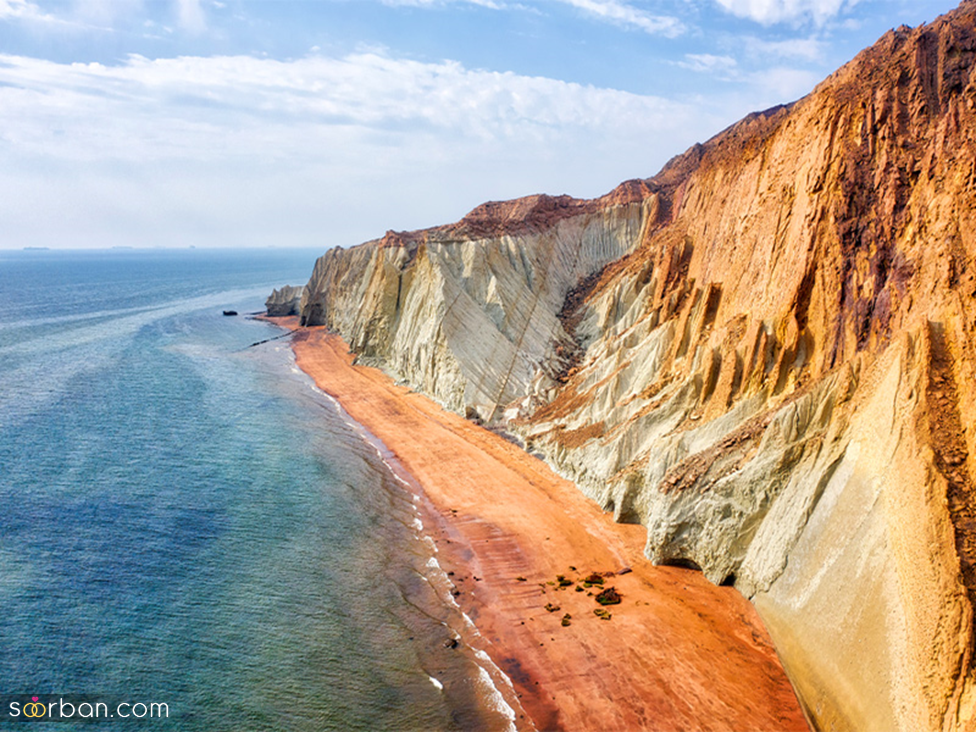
{"points": [[437, 684], [486, 660], [495, 701]]}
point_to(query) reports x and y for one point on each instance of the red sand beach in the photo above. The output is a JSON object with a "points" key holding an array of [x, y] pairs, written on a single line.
{"points": [[678, 653]]}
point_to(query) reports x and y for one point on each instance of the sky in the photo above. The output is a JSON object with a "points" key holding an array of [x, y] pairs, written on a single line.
{"points": [[254, 123]]}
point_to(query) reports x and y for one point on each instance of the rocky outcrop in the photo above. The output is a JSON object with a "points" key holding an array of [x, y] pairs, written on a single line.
{"points": [[284, 302], [469, 313], [765, 355]]}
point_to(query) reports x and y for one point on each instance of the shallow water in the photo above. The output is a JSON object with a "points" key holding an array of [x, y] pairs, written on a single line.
{"points": [[186, 520]]}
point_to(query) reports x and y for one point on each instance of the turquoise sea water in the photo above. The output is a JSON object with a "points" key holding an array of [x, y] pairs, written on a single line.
{"points": [[186, 520]]}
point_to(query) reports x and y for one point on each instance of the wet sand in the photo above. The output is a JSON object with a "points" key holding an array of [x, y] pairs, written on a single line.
{"points": [[678, 653]]}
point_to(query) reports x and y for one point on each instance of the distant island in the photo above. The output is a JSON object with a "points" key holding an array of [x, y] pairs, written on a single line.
{"points": [[37, 249]]}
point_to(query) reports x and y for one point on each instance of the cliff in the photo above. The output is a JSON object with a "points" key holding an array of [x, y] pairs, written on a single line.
{"points": [[469, 313], [765, 355], [284, 302]]}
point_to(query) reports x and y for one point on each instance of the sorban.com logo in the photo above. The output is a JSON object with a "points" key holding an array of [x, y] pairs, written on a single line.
{"points": [[77, 709]]}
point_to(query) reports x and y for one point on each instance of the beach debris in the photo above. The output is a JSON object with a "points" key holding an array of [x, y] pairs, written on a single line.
{"points": [[602, 614], [572, 568], [563, 581], [552, 608], [625, 570], [579, 588], [566, 620], [609, 596], [520, 578], [451, 643], [593, 579]]}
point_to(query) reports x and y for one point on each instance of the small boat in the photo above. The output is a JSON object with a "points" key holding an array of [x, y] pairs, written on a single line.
{"points": [[230, 312]]}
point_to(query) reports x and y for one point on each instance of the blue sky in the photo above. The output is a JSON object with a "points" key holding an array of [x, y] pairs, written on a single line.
{"points": [[324, 122]]}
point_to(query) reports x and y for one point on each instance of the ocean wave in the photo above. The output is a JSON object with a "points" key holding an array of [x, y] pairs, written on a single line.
{"points": [[45, 362], [494, 698]]}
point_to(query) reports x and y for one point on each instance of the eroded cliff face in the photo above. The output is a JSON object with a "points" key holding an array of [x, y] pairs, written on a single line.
{"points": [[765, 355], [284, 302], [469, 313]]}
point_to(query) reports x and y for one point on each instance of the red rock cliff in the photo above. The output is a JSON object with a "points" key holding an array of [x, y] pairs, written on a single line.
{"points": [[765, 354]]}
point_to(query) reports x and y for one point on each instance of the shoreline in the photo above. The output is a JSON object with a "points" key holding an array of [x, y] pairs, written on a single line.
{"points": [[676, 653], [501, 703]]}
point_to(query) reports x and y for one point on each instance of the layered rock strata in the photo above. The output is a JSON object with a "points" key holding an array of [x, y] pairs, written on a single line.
{"points": [[469, 313], [284, 302], [765, 355]]}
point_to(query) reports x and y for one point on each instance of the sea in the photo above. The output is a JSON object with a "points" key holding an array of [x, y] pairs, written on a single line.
{"points": [[186, 520]]}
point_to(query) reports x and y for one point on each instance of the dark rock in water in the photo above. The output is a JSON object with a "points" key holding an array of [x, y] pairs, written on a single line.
{"points": [[451, 643], [230, 312], [284, 302]]}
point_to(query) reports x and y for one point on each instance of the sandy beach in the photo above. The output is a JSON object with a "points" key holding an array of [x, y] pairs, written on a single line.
{"points": [[677, 653]]}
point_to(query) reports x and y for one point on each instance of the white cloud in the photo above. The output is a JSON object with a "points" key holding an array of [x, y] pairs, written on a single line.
{"points": [[24, 10], [102, 15], [105, 12], [16, 8], [708, 63], [189, 105], [803, 49], [191, 15], [776, 11], [617, 12], [624, 14], [257, 150], [436, 3]]}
